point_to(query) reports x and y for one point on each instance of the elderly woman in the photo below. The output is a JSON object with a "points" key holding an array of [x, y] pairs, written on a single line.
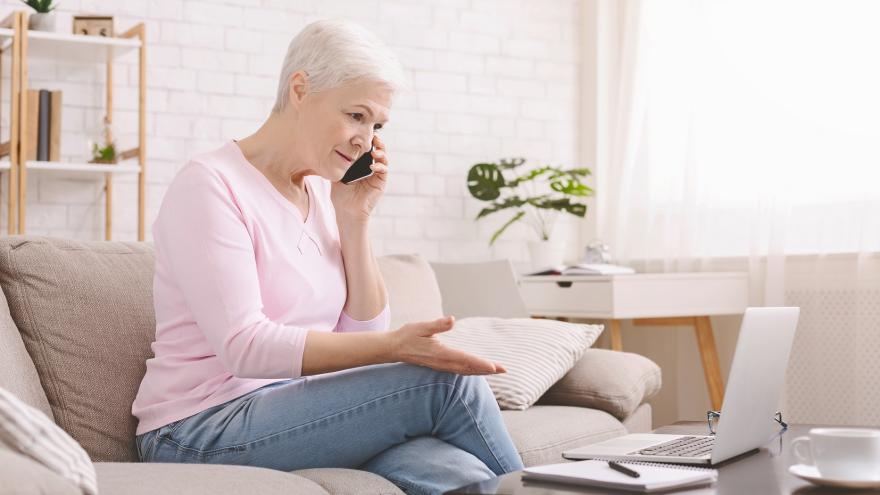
{"points": [[272, 342]]}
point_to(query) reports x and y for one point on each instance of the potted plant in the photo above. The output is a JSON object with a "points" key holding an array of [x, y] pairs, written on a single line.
{"points": [[44, 18], [537, 195], [104, 154]]}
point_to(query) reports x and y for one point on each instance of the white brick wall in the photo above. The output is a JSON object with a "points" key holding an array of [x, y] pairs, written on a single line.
{"points": [[490, 78]]}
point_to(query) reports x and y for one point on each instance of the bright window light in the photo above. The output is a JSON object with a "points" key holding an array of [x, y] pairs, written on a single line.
{"points": [[756, 103]]}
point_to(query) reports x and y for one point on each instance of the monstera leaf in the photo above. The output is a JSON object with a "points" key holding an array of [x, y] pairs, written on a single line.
{"points": [[571, 187], [559, 204], [485, 181], [532, 175], [512, 202], [511, 163], [573, 173]]}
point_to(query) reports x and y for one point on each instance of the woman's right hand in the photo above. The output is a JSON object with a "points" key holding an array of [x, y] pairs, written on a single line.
{"points": [[417, 343]]}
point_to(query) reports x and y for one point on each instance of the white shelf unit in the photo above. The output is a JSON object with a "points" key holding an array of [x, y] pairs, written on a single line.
{"points": [[24, 45], [119, 168], [74, 47]]}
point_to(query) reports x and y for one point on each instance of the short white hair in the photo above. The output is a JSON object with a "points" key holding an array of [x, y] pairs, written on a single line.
{"points": [[335, 52]]}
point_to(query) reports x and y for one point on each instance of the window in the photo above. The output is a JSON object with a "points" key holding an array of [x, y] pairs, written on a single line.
{"points": [[759, 119]]}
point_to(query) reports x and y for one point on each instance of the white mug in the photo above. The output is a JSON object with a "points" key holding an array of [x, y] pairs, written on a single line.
{"points": [[841, 453]]}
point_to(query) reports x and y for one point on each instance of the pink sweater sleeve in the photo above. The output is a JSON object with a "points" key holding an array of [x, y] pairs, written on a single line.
{"points": [[203, 239], [379, 323]]}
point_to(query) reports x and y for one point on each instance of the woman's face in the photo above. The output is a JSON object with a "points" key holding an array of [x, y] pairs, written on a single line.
{"points": [[339, 125]]}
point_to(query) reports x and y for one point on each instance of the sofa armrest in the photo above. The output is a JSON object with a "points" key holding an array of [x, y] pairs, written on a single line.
{"points": [[612, 381], [26, 476]]}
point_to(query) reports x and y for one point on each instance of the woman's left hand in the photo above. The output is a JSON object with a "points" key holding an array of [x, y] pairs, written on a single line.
{"points": [[355, 202]]}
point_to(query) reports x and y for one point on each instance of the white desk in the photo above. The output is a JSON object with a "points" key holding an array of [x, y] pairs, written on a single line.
{"points": [[657, 299]]}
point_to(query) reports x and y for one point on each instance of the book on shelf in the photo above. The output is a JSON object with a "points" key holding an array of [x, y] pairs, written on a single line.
{"points": [[32, 125], [585, 269], [42, 133], [43, 127], [55, 126]]}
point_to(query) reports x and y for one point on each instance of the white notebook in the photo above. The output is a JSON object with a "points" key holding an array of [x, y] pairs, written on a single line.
{"points": [[653, 477]]}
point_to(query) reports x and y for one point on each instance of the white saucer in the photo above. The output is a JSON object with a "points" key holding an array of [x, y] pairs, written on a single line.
{"points": [[811, 474]]}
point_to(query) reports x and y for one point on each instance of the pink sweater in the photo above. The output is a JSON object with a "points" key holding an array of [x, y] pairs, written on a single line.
{"points": [[240, 279]]}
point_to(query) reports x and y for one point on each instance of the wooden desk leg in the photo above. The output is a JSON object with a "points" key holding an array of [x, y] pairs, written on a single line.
{"points": [[709, 356], [706, 345], [616, 339]]}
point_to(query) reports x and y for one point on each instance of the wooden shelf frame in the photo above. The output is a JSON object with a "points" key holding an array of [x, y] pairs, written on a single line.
{"points": [[135, 38], [13, 21]]}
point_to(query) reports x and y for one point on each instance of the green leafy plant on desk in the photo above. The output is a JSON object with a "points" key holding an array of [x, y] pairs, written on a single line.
{"points": [[536, 194], [41, 6]]}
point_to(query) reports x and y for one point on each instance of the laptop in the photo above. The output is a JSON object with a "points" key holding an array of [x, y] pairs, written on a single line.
{"points": [[750, 400]]}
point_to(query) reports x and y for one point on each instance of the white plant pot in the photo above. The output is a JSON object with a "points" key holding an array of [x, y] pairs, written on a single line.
{"points": [[546, 254], [42, 22]]}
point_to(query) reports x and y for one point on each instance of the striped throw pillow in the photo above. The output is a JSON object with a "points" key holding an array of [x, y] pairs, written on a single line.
{"points": [[536, 353], [30, 432]]}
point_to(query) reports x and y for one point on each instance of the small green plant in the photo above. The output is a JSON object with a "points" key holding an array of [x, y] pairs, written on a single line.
{"points": [[41, 6], [104, 154], [537, 194]]}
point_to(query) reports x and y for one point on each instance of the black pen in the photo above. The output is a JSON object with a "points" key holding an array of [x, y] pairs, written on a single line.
{"points": [[623, 469]]}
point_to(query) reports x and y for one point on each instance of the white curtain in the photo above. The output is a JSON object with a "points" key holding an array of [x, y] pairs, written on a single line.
{"points": [[745, 135]]}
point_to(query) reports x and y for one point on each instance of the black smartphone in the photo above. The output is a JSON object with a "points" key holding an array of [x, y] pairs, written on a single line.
{"points": [[360, 169]]}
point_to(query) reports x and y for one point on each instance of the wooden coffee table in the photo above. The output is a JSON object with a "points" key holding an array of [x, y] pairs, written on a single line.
{"points": [[761, 472]]}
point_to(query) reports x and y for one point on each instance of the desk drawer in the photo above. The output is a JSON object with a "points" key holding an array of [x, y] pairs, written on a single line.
{"points": [[566, 298]]}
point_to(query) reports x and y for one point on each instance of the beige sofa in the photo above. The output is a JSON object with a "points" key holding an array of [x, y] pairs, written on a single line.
{"points": [[76, 325]]}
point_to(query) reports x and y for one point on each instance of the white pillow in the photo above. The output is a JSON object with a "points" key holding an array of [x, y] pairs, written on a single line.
{"points": [[536, 353], [29, 432]]}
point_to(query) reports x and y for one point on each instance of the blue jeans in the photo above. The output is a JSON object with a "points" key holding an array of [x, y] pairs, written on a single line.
{"points": [[426, 431]]}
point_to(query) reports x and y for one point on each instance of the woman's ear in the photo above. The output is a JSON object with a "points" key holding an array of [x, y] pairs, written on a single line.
{"points": [[299, 87]]}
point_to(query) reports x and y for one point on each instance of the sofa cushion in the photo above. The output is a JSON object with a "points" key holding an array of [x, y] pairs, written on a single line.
{"points": [[85, 312], [536, 353], [542, 433], [131, 478], [413, 294], [613, 381], [17, 372], [350, 482], [30, 432]]}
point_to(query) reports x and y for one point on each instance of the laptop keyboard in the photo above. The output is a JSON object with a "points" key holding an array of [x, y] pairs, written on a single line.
{"points": [[681, 447]]}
